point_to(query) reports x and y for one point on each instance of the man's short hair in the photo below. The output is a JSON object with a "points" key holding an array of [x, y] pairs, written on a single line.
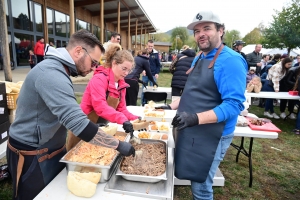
{"points": [[150, 41], [115, 34], [84, 37]]}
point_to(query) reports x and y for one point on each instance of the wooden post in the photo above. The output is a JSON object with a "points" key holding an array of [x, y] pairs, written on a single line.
{"points": [[4, 43], [102, 21], [129, 38], [145, 38], [45, 22], [141, 44], [135, 44], [72, 17], [119, 7]]}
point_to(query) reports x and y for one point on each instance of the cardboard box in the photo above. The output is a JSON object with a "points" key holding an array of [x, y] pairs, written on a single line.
{"points": [[3, 114], [4, 131]]}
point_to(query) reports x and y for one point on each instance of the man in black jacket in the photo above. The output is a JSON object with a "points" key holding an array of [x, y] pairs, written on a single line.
{"points": [[254, 59]]}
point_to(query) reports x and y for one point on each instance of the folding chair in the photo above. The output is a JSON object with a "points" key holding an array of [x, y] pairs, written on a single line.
{"points": [[156, 96]]}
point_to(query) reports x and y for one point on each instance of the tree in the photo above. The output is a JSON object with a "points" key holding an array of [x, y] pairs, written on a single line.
{"points": [[182, 37], [161, 37], [284, 30], [254, 37], [230, 37]]}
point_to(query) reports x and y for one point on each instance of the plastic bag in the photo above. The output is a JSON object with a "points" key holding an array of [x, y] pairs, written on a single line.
{"points": [[4, 173]]}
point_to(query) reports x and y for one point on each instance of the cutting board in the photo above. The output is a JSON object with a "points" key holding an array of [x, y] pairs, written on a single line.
{"points": [[266, 127]]}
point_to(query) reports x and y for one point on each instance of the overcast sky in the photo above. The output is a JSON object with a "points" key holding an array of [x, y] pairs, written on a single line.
{"points": [[241, 15]]}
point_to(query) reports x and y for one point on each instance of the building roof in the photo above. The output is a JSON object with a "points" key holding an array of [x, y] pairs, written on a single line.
{"points": [[163, 44], [111, 13]]}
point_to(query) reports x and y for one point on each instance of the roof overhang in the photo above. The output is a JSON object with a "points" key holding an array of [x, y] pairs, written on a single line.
{"points": [[137, 13]]}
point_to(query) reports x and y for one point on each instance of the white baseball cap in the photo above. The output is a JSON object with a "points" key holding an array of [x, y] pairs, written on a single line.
{"points": [[204, 16]]}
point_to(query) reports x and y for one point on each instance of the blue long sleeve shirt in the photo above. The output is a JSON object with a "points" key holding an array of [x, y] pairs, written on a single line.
{"points": [[230, 71]]}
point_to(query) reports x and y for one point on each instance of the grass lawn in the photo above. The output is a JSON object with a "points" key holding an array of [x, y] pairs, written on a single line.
{"points": [[275, 173]]}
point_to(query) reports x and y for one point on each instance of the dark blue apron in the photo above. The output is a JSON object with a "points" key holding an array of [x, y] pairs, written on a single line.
{"points": [[196, 146]]}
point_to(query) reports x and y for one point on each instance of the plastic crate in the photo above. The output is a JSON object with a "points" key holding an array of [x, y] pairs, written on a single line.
{"points": [[12, 100], [293, 93]]}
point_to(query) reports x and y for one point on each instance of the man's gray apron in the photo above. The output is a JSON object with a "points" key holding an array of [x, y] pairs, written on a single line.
{"points": [[196, 146]]}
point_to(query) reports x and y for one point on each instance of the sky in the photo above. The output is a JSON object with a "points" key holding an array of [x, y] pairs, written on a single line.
{"points": [[241, 15]]}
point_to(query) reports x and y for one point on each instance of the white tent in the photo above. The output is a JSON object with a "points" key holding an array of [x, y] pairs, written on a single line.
{"points": [[17, 41], [250, 48]]}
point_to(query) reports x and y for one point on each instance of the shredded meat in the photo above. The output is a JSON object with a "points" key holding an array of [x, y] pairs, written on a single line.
{"points": [[152, 162], [257, 122]]}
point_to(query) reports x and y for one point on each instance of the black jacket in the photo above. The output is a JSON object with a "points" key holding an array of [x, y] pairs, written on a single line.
{"points": [[289, 80], [141, 63], [253, 58], [179, 76]]}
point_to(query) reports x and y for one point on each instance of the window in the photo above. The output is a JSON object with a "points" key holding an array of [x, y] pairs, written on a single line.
{"points": [[38, 17], [68, 26], [82, 25], [23, 46], [96, 31], [20, 15], [50, 20], [60, 24]]}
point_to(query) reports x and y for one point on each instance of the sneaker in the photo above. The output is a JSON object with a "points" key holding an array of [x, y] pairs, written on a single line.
{"points": [[267, 114], [283, 115], [275, 116], [292, 116]]}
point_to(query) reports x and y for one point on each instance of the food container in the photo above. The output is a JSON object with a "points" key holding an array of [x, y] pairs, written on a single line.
{"points": [[141, 178], [162, 127], [293, 93], [168, 116], [105, 170], [152, 135]]}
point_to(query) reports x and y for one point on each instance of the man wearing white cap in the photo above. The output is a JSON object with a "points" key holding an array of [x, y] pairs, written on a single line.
{"points": [[215, 86]]}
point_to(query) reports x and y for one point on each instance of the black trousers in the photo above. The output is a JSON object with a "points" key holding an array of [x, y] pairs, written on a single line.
{"points": [[291, 104], [132, 92], [176, 91], [39, 58]]}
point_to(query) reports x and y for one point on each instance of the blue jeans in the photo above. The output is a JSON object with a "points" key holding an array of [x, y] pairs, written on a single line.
{"points": [[204, 190], [146, 80], [268, 102]]}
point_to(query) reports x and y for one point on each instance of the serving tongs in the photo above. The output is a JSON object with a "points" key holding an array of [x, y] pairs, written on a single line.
{"points": [[136, 140]]}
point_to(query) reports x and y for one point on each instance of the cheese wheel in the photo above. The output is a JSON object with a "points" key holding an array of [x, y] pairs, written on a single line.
{"points": [[79, 186]]}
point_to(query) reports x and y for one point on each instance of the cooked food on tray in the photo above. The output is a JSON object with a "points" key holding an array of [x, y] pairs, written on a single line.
{"points": [[85, 152], [156, 136], [144, 135], [163, 127], [151, 162], [154, 127], [257, 122], [164, 137], [152, 122], [155, 114]]}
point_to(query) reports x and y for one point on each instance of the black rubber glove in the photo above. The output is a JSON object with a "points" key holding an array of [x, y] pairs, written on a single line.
{"points": [[144, 84], [154, 83], [126, 149], [140, 118], [183, 120], [165, 107], [128, 127]]}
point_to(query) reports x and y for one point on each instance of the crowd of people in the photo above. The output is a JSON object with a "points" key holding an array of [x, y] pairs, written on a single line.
{"points": [[48, 111]]}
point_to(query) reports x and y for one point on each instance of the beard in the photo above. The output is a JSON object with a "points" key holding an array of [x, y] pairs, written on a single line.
{"points": [[80, 66]]}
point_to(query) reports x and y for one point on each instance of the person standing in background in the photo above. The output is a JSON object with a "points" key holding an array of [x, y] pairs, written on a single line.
{"points": [[115, 38], [39, 50], [254, 59], [154, 67], [32, 59], [183, 64]]}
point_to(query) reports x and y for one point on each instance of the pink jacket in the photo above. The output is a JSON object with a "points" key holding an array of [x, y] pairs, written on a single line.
{"points": [[94, 97]]}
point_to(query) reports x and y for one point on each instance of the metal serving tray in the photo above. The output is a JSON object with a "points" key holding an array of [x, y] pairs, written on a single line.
{"points": [[148, 179], [105, 170]]}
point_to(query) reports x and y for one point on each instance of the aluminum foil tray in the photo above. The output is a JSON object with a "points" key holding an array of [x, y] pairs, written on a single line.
{"points": [[140, 178], [105, 170]]}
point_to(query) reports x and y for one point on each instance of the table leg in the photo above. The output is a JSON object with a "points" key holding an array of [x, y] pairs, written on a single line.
{"points": [[242, 150]]}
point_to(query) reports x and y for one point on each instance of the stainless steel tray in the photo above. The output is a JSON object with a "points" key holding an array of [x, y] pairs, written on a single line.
{"points": [[147, 179], [105, 170]]}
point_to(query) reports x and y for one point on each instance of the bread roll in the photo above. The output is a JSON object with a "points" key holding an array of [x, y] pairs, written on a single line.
{"points": [[110, 129], [91, 176], [79, 186], [15, 89]]}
